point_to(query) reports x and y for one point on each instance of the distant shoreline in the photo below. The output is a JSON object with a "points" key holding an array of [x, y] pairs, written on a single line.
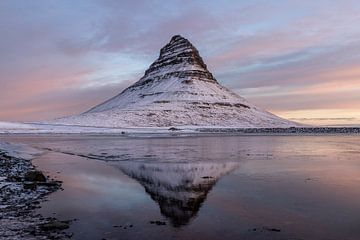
{"points": [[183, 131], [291, 130]]}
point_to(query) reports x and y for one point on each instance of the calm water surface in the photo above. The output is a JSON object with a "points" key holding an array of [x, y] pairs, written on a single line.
{"points": [[234, 187]]}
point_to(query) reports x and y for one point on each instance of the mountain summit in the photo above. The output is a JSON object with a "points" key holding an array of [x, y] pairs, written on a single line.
{"points": [[179, 63], [177, 90]]}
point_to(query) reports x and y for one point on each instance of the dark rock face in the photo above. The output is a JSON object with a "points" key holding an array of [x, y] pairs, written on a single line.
{"points": [[178, 50], [179, 58], [35, 176], [54, 225]]}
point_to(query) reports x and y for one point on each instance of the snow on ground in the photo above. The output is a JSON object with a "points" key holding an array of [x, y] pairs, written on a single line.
{"points": [[19, 150], [43, 128], [171, 103], [14, 125], [178, 115]]}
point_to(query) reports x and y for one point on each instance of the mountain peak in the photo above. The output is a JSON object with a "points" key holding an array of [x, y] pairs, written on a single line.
{"points": [[176, 90], [176, 38], [178, 58], [181, 47]]}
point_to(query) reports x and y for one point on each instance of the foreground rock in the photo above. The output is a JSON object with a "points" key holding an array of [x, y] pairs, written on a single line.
{"points": [[54, 225], [35, 176], [21, 190]]}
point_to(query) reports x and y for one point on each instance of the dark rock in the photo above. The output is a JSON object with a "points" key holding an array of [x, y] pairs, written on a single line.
{"points": [[30, 185], [35, 176], [50, 184], [241, 105], [162, 101], [14, 179], [273, 229], [157, 222], [54, 225], [187, 81]]}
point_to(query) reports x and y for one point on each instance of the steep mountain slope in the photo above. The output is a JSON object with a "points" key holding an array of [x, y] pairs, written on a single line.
{"points": [[177, 90]]}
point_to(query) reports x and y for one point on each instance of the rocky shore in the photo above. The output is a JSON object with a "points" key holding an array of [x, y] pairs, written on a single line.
{"points": [[290, 130], [22, 188]]}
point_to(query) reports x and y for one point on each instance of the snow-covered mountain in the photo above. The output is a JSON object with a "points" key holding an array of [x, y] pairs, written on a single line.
{"points": [[177, 90]]}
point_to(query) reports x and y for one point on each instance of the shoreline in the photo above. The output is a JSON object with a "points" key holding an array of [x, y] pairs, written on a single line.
{"points": [[23, 188], [62, 129], [290, 130], [196, 132]]}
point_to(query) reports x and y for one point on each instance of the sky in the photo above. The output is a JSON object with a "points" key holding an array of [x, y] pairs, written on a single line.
{"points": [[297, 59]]}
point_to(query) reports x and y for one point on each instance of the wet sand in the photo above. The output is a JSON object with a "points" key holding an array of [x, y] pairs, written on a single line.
{"points": [[247, 187]]}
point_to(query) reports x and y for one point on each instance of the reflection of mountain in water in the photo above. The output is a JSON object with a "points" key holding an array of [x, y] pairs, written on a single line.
{"points": [[179, 189]]}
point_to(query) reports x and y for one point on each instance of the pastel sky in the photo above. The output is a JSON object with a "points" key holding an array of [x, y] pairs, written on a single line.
{"points": [[298, 59]]}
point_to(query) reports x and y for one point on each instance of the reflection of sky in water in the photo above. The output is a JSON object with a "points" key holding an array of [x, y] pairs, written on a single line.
{"points": [[305, 186]]}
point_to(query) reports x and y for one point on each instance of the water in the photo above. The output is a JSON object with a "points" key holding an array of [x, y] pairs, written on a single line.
{"points": [[230, 187]]}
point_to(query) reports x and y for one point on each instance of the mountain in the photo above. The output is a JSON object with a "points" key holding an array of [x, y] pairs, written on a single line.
{"points": [[177, 90]]}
